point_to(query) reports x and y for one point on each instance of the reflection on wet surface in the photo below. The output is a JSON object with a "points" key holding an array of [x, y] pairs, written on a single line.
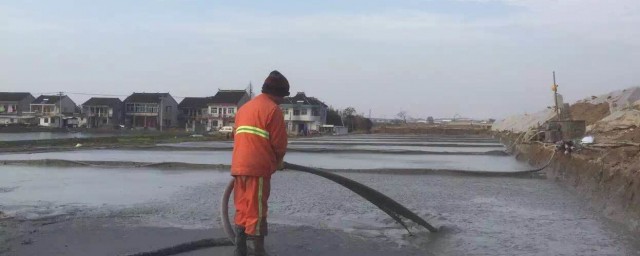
{"points": [[50, 135]]}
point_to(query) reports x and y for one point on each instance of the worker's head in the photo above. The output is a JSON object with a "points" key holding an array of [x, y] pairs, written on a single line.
{"points": [[276, 85]]}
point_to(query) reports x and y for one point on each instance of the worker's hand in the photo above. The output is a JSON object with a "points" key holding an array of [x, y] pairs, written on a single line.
{"points": [[280, 166]]}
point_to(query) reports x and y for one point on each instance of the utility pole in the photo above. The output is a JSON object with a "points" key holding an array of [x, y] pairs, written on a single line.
{"points": [[60, 109], [250, 90], [161, 117], [555, 95]]}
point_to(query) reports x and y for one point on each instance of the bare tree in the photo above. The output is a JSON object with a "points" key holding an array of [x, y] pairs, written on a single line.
{"points": [[402, 115], [349, 112]]}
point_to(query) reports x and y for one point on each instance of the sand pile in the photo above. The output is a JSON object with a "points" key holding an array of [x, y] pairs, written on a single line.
{"points": [[617, 100], [623, 119], [591, 113], [607, 112], [522, 123]]}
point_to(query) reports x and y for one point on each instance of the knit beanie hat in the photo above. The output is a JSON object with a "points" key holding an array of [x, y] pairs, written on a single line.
{"points": [[276, 84]]}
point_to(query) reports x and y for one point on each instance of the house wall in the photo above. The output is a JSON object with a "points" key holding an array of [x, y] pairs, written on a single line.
{"points": [[47, 121], [8, 120], [192, 119], [20, 106], [170, 112], [103, 116], [18, 112], [305, 116], [68, 106], [221, 115]]}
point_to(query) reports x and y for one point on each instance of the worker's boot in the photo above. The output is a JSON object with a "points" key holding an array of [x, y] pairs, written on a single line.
{"points": [[258, 246], [241, 242]]}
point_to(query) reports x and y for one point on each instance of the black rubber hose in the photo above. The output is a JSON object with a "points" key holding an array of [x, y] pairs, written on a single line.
{"points": [[187, 247], [386, 204]]}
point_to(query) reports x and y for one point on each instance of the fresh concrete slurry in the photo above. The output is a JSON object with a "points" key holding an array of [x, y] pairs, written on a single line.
{"points": [[49, 135], [321, 160], [73, 211]]}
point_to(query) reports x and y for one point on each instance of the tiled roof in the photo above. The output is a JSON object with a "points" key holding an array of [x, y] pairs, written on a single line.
{"points": [[47, 99], [302, 99], [141, 97], [228, 96], [103, 102], [13, 96], [195, 102]]}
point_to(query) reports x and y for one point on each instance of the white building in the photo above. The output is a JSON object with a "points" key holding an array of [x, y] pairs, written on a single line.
{"points": [[54, 110], [303, 114], [14, 107], [222, 108]]}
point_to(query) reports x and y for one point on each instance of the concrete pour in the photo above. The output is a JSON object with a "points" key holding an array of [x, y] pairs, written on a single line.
{"points": [[116, 211], [321, 160]]}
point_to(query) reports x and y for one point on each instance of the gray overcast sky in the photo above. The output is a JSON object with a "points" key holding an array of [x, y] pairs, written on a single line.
{"points": [[482, 58]]}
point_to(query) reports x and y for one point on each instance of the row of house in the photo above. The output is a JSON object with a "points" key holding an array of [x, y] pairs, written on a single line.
{"points": [[153, 111], [302, 114]]}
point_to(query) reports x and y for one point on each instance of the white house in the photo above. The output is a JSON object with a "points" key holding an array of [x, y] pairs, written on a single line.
{"points": [[52, 110], [222, 108], [14, 107], [303, 114]]}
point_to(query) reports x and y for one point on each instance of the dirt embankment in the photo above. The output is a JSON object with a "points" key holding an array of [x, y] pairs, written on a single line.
{"points": [[591, 113], [608, 177], [433, 129]]}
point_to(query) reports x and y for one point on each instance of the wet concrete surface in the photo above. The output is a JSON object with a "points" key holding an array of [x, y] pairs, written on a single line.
{"points": [[382, 147], [73, 211], [321, 160], [50, 135], [479, 215]]}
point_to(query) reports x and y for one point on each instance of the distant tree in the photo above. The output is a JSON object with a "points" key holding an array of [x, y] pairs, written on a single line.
{"points": [[403, 116], [362, 123], [430, 120], [349, 112], [333, 117]]}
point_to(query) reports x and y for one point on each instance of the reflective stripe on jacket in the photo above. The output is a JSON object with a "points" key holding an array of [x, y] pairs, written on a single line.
{"points": [[260, 139]]}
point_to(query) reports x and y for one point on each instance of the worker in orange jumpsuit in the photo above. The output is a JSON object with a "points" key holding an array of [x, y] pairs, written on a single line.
{"points": [[258, 151]]}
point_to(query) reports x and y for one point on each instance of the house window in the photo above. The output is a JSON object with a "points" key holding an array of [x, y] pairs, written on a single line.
{"points": [[224, 111], [130, 108], [296, 112], [231, 110], [214, 110], [304, 112], [46, 120], [315, 112], [214, 123], [284, 111]]}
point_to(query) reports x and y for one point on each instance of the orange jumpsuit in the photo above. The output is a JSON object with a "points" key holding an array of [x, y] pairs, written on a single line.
{"points": [[260, 145]]}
